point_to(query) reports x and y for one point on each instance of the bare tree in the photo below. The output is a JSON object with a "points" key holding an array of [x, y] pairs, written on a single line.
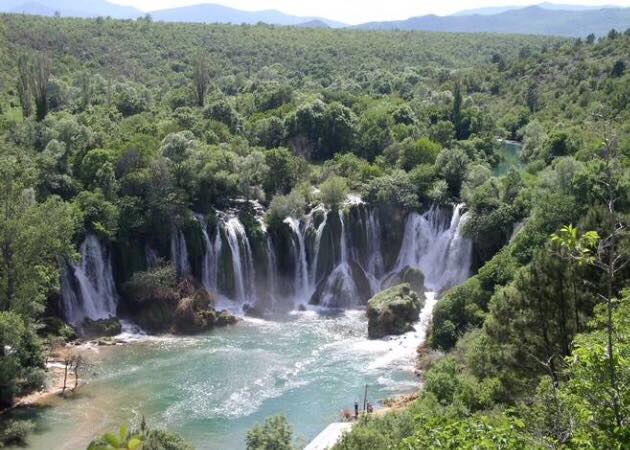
{"points": [[79, 364], [74, 363], [67, 358], [201, 78]]}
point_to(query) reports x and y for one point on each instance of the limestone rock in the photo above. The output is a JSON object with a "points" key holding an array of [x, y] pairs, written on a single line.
{"points": [[393, 311]]}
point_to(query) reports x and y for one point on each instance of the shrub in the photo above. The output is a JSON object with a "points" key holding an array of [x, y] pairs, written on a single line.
{"points": [[334, 191], [274, 434], [395, 190], [14, 432], [423, 151], [283, 206], [462, 307], [159, 283]]}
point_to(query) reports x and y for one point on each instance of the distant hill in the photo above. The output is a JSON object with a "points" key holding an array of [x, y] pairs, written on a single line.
{"points": [[212, 13], [543, 19], [202, 13], [70, 8], [530, 20], [313, 24], [545, 5]]}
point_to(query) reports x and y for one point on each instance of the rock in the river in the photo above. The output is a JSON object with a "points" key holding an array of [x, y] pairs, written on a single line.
{"points": [[224, 318], [393, 311], [101, 328], [410, 275], [415, 278]]}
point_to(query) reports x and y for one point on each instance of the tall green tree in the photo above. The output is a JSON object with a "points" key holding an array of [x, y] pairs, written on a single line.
{"points": [[33, 235]]}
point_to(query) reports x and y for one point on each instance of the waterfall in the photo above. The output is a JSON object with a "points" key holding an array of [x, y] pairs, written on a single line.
{"points": [[375, 266], [88, 290], [151, 256], [242, 261], [272, 281], [210, 263], [318, 241], [442, 253], [343, 241], [179, 253], [340, 289], [301, 283]]}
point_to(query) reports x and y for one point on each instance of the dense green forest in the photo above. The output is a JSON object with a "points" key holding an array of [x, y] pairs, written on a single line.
{"points": [[122, 128]]}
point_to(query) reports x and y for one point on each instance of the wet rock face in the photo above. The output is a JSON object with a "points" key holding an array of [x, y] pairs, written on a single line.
{"points": [[101, 328], [393, 311]]}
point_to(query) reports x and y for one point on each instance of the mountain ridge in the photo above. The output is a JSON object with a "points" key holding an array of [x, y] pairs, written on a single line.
{"points": [[493, 10], [542, 19], [213, 13], [527, 20]]}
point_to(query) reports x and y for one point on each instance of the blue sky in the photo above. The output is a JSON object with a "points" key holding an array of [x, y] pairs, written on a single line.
{"points": [[357, 11]]}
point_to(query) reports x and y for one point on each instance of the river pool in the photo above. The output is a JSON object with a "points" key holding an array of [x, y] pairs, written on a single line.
{"points": [[212, 388]]}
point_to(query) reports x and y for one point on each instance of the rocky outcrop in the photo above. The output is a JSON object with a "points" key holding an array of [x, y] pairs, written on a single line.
{"points": [[414, 277], [160, 304], [393, 311], [100, 328]]}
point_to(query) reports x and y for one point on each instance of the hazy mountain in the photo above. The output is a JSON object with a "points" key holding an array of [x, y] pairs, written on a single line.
{"points": [[530, 20], [489, 11], [211, 13], [313, 24], [70, 8], [204, 13]]}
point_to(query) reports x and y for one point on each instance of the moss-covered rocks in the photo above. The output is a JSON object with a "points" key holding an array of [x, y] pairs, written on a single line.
{"points": [[414, 277], [393, 311], [160, 303], [101, 328]]}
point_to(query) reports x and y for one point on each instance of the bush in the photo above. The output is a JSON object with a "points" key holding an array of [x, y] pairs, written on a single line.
{"points": [[274, 434], [14, 432], [423, 151], [452, 165], [283, 206], [333, 192], [159, 283], [99, 215], [462, 307], [395, 190]]}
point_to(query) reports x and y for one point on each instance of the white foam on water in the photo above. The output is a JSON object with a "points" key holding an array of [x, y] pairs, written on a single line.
{"points": [[401, 350]]}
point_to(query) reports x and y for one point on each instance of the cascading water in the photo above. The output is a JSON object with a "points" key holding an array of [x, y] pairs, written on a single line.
{"points": [[357, 269], [272, 275], [212, 251], [318, 242], [301, 283], [88, 290], [179, 253], [443, 254], [242, 261], [340, 290], [375, 266]]}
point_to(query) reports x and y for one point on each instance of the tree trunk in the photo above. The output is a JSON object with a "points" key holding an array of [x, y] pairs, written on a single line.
{"points": [[65, 377]]}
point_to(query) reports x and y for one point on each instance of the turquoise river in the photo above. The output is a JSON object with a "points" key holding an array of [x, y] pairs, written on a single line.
{"points": [[212, 388]]}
